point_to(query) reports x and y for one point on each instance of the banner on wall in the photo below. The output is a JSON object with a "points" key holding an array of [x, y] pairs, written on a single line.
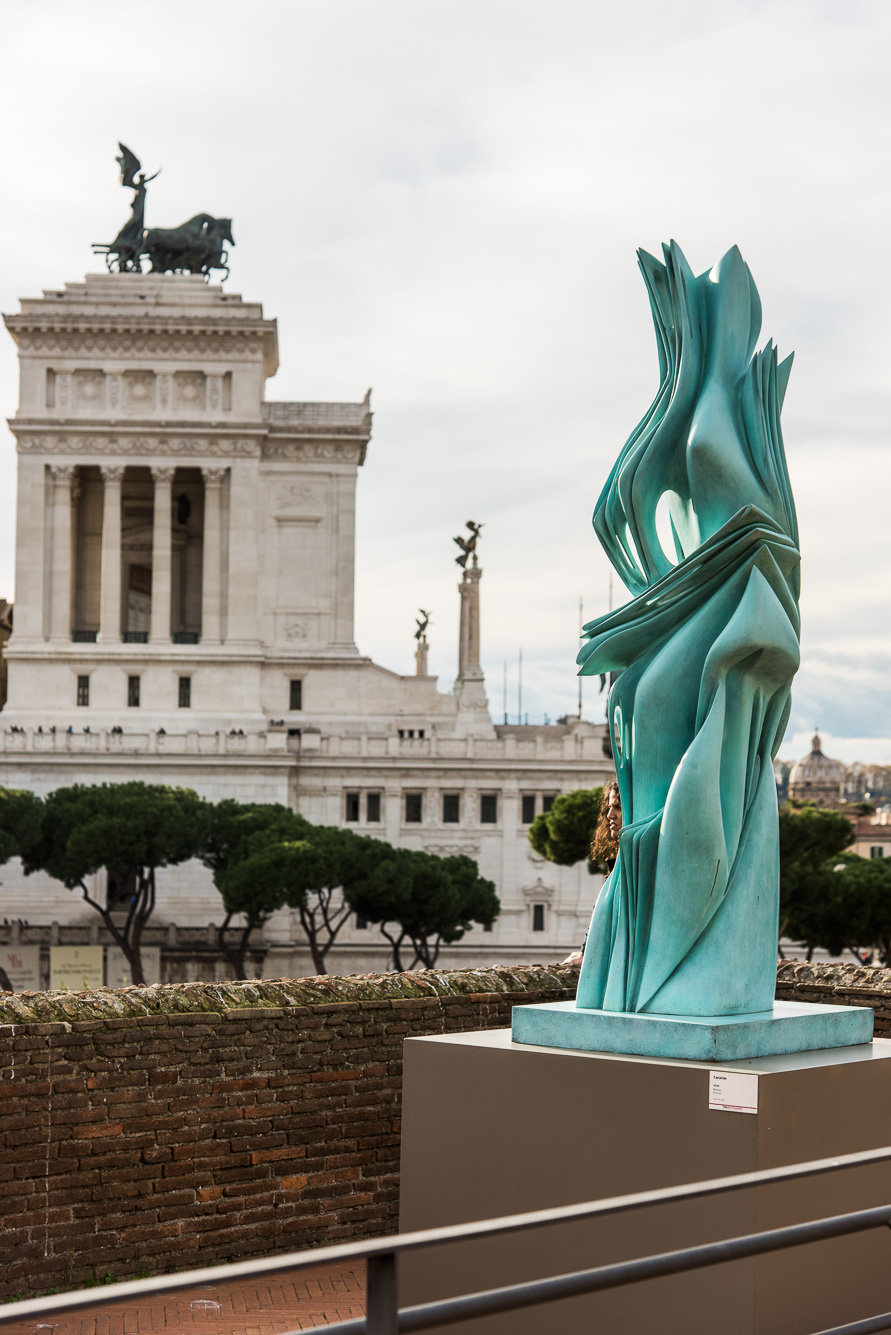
{"points": [[117, 970], [75, 968], [21, 964]]}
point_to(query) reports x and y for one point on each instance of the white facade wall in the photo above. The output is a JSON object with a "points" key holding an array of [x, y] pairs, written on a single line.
{"points": [[155, 385]]}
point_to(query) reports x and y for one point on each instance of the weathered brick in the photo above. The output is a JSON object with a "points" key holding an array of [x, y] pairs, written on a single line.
{"points": [[187, 1138]]}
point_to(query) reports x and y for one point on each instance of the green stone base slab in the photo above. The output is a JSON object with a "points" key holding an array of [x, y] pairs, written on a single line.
{"points": [[792, 1026]]}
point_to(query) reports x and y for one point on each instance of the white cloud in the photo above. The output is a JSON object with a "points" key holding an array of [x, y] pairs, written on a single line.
{"points": [[443, 200]]}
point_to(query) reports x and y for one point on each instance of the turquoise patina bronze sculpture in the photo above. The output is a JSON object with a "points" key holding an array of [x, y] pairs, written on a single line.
{"points": [[698, 519], [705, 652]]}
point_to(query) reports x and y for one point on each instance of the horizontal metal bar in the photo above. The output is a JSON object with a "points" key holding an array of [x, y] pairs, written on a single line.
{"points": [[491, 1302], [403, 1242], [871, 1325], [508, 1299]]}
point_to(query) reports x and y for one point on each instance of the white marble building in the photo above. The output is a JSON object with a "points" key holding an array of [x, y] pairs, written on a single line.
{"points": [[184, 614]]}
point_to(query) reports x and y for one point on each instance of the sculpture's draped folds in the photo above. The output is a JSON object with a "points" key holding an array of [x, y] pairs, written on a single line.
{"points": [[698, 519]]}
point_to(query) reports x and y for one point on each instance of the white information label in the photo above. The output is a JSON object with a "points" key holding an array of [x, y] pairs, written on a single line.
{"points": [[75, 968], [117, 970], [733, 1091], [21, 964]]}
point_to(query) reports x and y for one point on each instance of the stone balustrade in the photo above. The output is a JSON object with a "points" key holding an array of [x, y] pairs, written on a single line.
{"points": [[102, 741]]}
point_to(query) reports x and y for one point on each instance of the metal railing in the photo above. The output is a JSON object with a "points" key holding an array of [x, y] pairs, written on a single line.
{"points": [[385, 1317]]}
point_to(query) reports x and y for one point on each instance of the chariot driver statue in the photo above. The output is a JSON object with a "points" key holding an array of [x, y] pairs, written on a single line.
{"points": [[127, 245], [197, 246]]}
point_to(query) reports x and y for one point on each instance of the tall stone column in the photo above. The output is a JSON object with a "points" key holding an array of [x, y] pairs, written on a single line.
{"points": [[473, 708], [469, 634], [212, 591], [74, 582], [162, 557], [33, 550], [110, 605], [60, 567]]}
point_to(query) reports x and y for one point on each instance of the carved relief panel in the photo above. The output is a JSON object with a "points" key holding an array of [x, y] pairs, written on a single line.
{"points": [[189, 390], [139, 391], [89, 390]]}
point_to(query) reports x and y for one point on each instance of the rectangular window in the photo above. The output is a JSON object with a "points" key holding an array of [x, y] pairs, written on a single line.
{"points": [[489, 808], [361, 923], [451, 808], [548, 801], [876, 851], [352, 806], [414, 808], [83, 690], [295, 695], [133, 692], [185, 692], [373, 807], [528, 808], [538, 917], [487, 927]]}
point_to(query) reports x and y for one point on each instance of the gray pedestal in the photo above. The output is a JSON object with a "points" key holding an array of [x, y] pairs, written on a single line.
{"points": [[493, 1128]]}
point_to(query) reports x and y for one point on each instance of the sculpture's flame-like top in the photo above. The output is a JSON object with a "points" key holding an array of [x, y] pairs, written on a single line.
{"points": [[711, 442]]}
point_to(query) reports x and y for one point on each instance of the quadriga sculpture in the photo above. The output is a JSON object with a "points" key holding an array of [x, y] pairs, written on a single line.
{"points": [[698, 519]]}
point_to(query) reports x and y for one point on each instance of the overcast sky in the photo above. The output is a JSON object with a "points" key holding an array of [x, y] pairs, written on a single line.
{"points": [[442, 199]]}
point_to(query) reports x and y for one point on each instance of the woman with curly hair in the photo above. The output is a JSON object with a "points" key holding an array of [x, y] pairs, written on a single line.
{"points": [[604, 843]]}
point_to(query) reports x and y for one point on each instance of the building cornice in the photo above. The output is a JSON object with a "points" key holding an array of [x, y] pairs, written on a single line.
{"points": [[321, 444], [140, 335]]}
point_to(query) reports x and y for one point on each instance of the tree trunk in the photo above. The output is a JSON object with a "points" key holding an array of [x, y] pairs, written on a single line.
{"points": [[129, 938], [396, 944], [321, 937], [308, 923], [780, 934], [235, 954]]}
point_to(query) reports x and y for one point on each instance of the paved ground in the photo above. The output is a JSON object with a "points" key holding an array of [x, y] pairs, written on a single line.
{"points": [[317, 1297]]}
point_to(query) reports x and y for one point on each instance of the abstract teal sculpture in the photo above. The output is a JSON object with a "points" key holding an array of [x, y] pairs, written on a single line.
{"points": [[697, 518]]}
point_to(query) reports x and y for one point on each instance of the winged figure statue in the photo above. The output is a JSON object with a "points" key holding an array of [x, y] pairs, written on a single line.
{"points": [[468, 545]]}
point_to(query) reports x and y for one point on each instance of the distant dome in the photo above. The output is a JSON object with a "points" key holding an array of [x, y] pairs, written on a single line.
{"points": [[816, 777]]}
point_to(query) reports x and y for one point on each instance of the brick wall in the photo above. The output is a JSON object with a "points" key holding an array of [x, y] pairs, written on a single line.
{"points": [[839, 985], [175, 1126]]}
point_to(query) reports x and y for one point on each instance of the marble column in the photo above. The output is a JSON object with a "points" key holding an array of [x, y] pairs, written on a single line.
{"points": [[74, 537], [162, 559], [33, 550], [244, 558], [110, 606], [469, 632], [60, 567], [211, 590]]}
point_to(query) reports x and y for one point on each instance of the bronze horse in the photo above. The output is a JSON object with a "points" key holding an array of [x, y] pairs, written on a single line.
{"points": [[194, 247]]}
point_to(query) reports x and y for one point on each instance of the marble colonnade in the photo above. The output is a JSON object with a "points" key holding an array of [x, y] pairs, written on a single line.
{"points": [[61, 536]]}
